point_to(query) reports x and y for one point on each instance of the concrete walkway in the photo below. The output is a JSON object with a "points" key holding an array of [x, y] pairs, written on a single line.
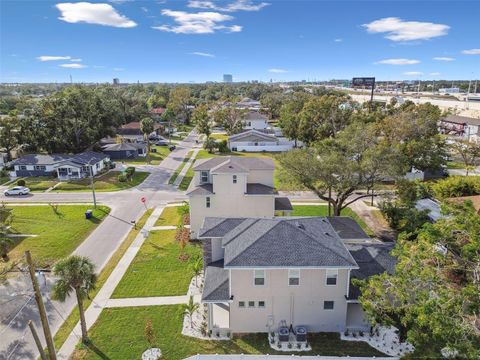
{"points": [[103, 296], [182, 173], [147, 301], [166, 227]]}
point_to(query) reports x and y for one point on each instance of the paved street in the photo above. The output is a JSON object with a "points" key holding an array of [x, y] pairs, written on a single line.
{"points": [[17, 306]]}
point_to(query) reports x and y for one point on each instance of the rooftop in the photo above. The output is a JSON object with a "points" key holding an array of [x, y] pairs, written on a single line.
{"points": [[247, 163]]}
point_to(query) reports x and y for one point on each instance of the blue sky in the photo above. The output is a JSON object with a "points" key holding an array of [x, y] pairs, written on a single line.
{"points": [[182, 41]]}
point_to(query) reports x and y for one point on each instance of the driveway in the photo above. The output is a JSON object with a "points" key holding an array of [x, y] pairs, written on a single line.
{"points": [[17, 342]]}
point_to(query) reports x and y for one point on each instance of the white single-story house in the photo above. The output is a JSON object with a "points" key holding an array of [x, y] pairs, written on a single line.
{"points": [[254, 120], [126, 150], [258, 141], [62, 166]]}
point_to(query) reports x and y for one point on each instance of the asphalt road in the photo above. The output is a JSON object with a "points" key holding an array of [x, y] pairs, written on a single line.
{"points": [[16, 303]]}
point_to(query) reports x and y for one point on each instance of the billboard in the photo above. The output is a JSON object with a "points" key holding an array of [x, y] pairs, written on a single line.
{"points": [[363, 81]]}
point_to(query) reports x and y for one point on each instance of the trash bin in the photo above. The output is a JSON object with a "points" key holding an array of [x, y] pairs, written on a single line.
{"points": [[88, 214]]}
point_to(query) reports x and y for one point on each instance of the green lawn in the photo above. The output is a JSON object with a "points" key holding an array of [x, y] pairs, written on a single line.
{"points": [[72, 320], [322, 210], [179, 169], [4, 179], [118, 334], [38, 183], [155, 158], [455, 165], [156, 270], [220, 137], [187, 179], [59, 231], [105, 182], [169, 217]]}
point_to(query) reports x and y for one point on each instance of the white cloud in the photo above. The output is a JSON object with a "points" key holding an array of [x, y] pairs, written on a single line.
{"points": [[238, 5], [400, 30], [101, 14], [73, 66], [434, 73], [53, 58], [197, 23], [202, 54], [471, 52], [413, 73], [277, 71], [398, 61], [443, 58], [76, 60], [144, 9], [338, 40]]}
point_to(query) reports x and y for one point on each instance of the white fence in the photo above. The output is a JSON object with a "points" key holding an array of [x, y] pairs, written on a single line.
{"points": [[282, 357]]}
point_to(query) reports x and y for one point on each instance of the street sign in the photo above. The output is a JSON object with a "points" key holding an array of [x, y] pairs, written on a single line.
{"points": [[363, 81], [143, 199]]}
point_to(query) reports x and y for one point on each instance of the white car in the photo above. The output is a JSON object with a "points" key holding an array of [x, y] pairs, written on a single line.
{"points": [[17, 190]]}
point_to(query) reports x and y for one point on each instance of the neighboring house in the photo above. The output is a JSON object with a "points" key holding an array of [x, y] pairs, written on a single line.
{"points": [[247, 103], [254, 120], [233, 186], [461, 126], [257, 141], [63, 166], [295, 270], [157, 113], [433, 207], [125, 150], [132, 132]]}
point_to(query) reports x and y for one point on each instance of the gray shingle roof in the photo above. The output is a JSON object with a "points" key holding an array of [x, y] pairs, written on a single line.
{"points": [[260, 135], [228, 167], [216, 286], [463, 120], [260, 189], [218, 227], [87, 157], [283, 204], [119, 147], [249, 163], [254, 115], [205, 189], [372, 259], [347, 228]]}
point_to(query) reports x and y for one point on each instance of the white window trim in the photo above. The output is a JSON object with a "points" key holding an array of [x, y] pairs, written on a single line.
{"points": [[234, 179], [289, 276], [326, 276], [201, 177], [333, 308], [248, 304], [264, 304], [264, 277], [208, 202], [244, 304]]}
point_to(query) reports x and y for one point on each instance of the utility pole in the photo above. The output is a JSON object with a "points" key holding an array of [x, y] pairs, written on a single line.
{"points": [[37, 340], [41, 308], [93, 188]]}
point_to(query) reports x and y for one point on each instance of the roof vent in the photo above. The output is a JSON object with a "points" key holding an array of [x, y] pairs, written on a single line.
{"points": [[326, 233], [298, 225], [230, 166]]}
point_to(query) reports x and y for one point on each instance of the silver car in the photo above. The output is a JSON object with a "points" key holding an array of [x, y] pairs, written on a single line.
{"points": [[17, 190]]}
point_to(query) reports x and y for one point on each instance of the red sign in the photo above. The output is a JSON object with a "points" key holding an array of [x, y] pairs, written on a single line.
{"points": [[142, 199]]}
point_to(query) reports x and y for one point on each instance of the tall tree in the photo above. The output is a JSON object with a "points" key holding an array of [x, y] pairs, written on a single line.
{"points": [[433, 295], [289, 120], [9, 133], [75, 274], [468, 151], [272, 102], [201, 119], [179, 102], [230, 118]]}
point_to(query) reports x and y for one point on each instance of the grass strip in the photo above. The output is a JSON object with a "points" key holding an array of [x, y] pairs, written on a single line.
{"points": [[180, 167]]}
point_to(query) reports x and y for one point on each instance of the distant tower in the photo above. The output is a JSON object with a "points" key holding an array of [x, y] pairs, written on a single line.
{"points": [[227, 78], [116, 81]]}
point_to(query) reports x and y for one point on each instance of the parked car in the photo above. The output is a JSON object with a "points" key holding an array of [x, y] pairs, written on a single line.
{"points": [[17, 190], [161, 143]]}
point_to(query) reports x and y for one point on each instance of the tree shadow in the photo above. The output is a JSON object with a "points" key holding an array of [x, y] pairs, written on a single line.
{"points": [[92, 347], [17, 350]]}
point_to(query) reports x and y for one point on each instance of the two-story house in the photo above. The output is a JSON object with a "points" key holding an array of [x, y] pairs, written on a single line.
{"points": [[233, 186], [261, 273]]}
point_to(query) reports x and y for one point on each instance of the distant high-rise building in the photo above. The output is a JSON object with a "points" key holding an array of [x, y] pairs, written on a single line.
{"points": [[227, 78], [116, 81]]}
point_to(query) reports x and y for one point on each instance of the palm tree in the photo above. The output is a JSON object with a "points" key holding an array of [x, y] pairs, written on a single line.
{"points": [[147, 127], [189, 309], [197, 267], [75, 273]]}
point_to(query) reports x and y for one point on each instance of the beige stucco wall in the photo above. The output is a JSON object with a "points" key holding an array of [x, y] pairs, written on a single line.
{"points": [[297, 305], [219, 316], [356, 318], [223, 184], [264, 177], [229, 205]]}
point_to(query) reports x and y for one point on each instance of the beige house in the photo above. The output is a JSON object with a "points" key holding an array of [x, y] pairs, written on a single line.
{"points": [[233, 186], [262, 273]]}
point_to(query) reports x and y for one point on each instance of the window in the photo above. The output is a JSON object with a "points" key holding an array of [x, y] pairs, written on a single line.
{"points": [[259, 277], [40, 167], [204, 177], [332, 277], [251, 304], [234, 179], [22, 167], [293, 277], [261, 304], [97, 165], [241, 304], [328, 305], [207, 201]]}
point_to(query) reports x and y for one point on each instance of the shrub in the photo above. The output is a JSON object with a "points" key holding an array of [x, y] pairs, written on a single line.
{"points": [[456, 186], [122, 178], [130, 171], [406, 191], [223, 147], [21, 182]]}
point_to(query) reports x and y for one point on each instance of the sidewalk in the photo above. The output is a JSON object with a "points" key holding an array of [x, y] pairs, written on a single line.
{"points": [[182, 173], [103, 296]]}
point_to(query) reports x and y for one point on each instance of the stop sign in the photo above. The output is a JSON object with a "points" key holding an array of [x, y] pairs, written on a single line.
{"points": [[142, 199]]}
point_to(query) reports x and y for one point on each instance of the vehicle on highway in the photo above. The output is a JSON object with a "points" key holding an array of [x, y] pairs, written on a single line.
{"points": [[17, 190]]}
